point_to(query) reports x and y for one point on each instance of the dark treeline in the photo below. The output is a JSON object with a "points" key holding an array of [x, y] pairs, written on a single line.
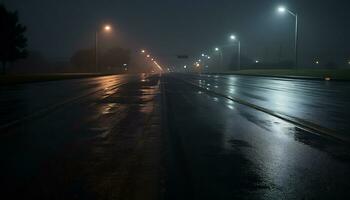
{"points": [[113, 60], [13, 42], [82, 61], [15, 58]]}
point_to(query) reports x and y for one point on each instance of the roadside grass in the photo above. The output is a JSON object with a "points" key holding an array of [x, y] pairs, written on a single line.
{"points": [[334, 74], [30, 78]]}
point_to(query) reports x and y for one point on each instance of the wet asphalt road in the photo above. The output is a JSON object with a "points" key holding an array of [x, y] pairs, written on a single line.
{"points": [[162, 137], [320, 102]]}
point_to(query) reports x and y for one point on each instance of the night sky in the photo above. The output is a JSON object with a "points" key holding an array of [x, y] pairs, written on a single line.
{"points": [[57, 28]]}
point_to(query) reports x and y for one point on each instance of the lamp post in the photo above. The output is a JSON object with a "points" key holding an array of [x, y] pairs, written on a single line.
{"points": [[234, 38], [106, 28], [218, 50], [283, 9]]}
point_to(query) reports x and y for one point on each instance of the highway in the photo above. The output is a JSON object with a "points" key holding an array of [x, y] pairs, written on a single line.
{"points": [[320, 102], [175, 136]]}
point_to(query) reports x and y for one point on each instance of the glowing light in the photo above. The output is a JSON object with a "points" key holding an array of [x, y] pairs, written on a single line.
{"points": [[281, 9], [257, 61], [148, 56], [317, 62], [185, 67], [159, 67], [107, 28], [217, 49], [198, 65], [327, 78], [143, 51], [209, 57], [203, 55], [233, 37]]}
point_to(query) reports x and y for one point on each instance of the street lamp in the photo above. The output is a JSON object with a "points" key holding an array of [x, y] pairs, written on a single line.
{"points": [[234, 38], [217, 49], [106, 28], [282, 9]]}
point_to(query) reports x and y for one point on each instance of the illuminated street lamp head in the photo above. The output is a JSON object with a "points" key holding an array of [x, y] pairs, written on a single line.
{"points": [[217, 49], [107, 28], [281, 9], [233, 37]]}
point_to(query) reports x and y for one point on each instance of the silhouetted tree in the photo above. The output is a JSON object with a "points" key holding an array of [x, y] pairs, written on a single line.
{"points": [[13, 43]]}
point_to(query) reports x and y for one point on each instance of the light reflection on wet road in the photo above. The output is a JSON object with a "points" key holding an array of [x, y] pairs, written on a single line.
{"points": [[157, 137], [223, 150], [103, 146], [26, 99], [320, 102]]}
